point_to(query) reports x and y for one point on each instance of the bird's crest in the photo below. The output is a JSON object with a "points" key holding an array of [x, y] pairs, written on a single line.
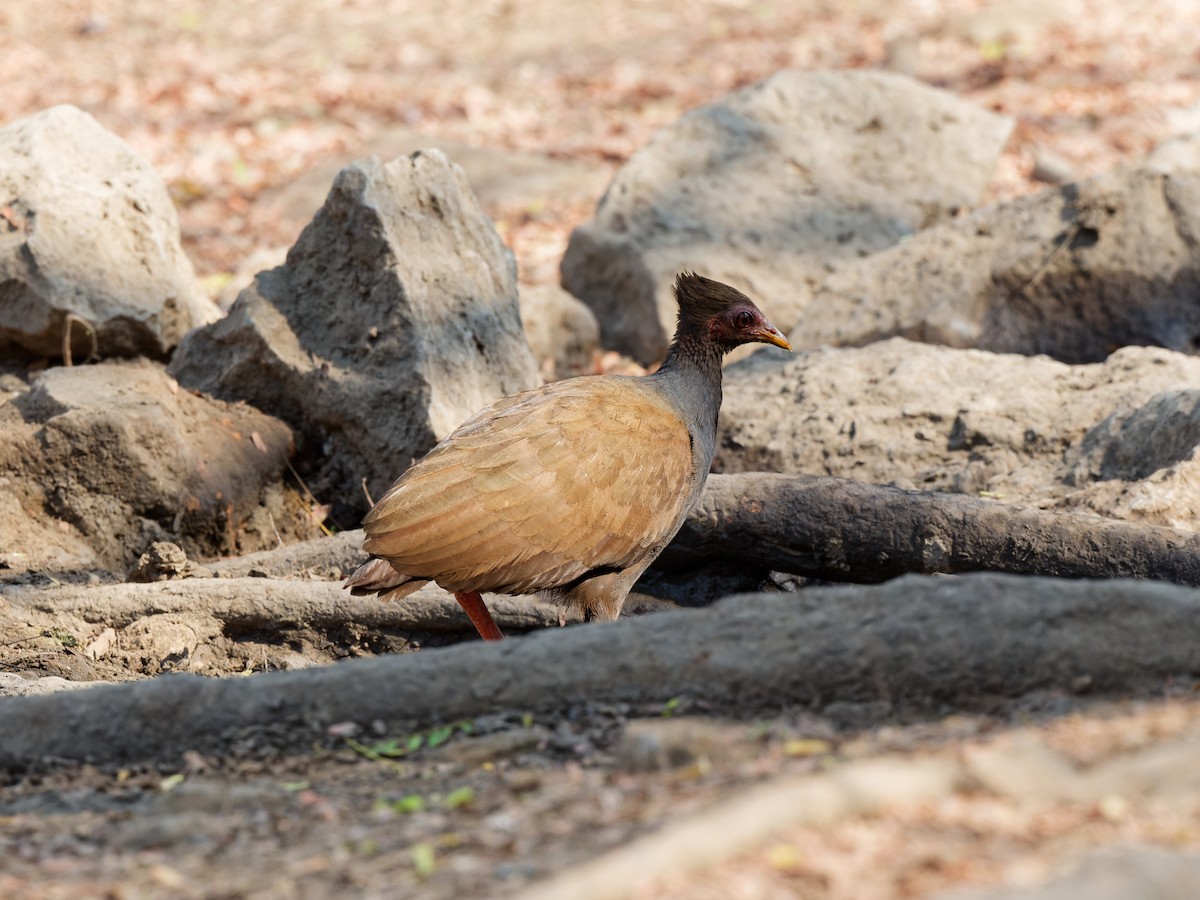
{"points": [[701, 298]]}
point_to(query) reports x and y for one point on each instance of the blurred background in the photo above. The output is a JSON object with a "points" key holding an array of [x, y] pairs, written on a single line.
{"points": [[234, 102]]}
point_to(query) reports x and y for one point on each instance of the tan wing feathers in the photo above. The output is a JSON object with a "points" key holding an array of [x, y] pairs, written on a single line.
{"points": [[538, 489]]}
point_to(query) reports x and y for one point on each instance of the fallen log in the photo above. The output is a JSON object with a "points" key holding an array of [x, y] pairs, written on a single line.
{"points": [[341, 552], [843, 530], [915, 639], [265, 604]]}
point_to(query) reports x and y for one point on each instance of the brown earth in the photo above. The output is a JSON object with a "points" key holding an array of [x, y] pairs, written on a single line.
{"points": [[231, 104], [505, 799]]}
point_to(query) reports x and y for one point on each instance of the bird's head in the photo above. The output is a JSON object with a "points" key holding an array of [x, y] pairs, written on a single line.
{"points": [[723, 315]]}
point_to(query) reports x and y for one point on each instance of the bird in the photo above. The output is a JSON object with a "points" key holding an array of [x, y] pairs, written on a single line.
{"points": [[569, 490]]}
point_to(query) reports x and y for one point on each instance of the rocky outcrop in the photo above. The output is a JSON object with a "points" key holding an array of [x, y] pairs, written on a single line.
{"points": [[394, 318], [116, 456], [770, 188], [1072, 273], [89, 241], [1140, 463], [1026, 430]]}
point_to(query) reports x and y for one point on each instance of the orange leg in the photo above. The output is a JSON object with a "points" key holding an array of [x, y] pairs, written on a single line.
{"points": [[472, 605]]}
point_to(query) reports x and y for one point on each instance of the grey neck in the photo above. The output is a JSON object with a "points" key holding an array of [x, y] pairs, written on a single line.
{"points": [[691, 375]]}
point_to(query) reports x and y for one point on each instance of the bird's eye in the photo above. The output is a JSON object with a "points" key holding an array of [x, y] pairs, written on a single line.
{"points": [[743, 319]]}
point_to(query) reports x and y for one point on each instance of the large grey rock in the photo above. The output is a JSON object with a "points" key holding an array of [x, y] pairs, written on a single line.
{"points": [[562, 332], [118, 455], [504, 181], [1135, 443], [1071, 273], [772, 187], [1029, 430], [87, 229], [1140, 462], [394, 318]]}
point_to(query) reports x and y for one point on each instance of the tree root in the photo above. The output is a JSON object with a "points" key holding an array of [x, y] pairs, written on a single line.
{"points": [[914, 640], [264, 604], [842, 530]]}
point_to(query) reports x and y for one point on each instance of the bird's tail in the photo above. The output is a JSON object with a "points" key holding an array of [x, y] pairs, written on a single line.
{"points": [[377, 576]]}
